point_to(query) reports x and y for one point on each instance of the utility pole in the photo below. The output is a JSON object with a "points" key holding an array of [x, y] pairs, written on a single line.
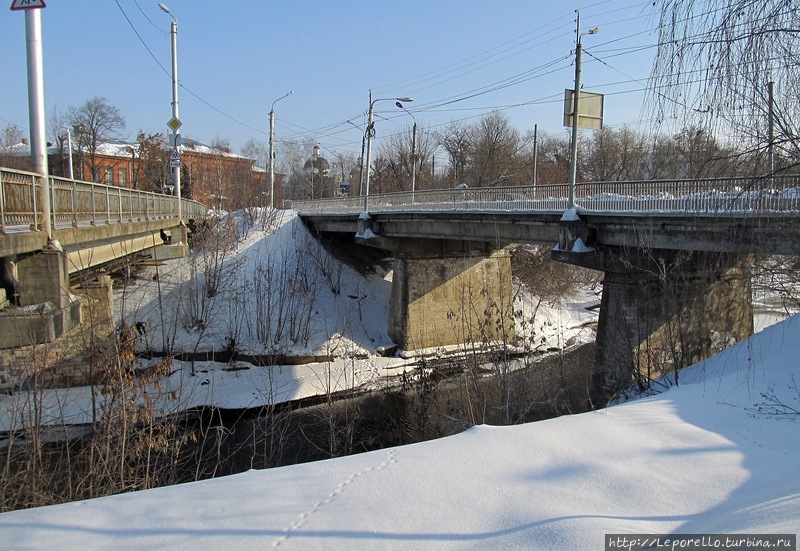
{"points": [[770, 157], [573, 165], [535, 152]]}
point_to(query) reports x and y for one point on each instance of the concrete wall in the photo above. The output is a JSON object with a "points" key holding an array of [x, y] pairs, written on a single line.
{"points": [[451, 298]]}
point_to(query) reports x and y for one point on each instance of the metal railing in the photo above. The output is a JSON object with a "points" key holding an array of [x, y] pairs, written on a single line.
{"points": [[75, 203], [717, 197]]}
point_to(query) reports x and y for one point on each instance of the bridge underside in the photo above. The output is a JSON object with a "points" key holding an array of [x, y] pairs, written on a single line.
{"points": [[37, 304]]}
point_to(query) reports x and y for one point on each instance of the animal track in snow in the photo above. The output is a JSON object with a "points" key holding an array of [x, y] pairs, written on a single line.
{"points": [[296, 525]]}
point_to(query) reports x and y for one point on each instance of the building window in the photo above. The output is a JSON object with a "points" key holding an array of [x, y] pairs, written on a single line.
{"points": [[109, 176], [123, 177]]}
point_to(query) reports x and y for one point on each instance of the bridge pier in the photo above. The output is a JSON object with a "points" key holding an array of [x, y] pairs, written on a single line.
{"points": [[659, 314], [46, 308], [448, 292]]}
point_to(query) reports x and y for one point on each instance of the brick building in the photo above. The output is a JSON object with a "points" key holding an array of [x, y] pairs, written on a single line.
{"points": [[215, 177]]}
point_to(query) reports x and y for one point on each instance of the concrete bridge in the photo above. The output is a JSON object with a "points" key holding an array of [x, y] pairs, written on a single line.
{"points": [[92, 225], [676, 257]]}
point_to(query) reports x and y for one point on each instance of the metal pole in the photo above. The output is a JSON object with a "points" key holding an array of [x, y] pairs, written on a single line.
{"points": [[573, 165], [770, 157], [272, 149], [272, 156], [69, 155], [369, 153], [414, 159], [535, 152], [36, 116], [177, 170]]}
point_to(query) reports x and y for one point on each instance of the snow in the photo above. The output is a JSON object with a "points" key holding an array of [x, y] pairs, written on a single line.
{"points": [[697, 458], [707, 456]]}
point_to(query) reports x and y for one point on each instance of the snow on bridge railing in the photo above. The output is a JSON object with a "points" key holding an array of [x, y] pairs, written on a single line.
{"points": [[76, 203], [719, 197]]}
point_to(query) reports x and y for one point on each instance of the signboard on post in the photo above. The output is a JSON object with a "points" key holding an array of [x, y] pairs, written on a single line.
{"points": [[591, 109], [175, 158], [27, 4]]}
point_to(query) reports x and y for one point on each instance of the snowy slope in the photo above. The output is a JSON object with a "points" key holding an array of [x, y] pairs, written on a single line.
{"points": [[697, 458]]}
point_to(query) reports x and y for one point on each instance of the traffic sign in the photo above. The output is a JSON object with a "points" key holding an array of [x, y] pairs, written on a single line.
{"points": [[27, 4], [174, 123], [175, 158]]}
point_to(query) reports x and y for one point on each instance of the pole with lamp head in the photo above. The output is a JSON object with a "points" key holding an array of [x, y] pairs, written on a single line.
{"points": [[370, 133], [573, 165], [175, 122], [272, 148]]}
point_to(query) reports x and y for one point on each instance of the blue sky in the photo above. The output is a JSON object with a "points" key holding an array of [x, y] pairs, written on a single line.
{"points": [[458, 59]]}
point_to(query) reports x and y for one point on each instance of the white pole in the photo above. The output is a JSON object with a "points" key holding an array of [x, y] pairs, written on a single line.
{"points": [[369, 153], [414, 158], [36, 117], [69, 155], [177, 170], [272, 149], [272, 156]]}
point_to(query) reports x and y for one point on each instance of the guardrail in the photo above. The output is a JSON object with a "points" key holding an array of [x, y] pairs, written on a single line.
{"points": [[718, 197], [75, 203]]}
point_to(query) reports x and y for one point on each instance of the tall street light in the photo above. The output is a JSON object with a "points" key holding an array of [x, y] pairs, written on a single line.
{"points": [[413, 148], [573, 165], [175, 122], [370, 132], [272, 148]]}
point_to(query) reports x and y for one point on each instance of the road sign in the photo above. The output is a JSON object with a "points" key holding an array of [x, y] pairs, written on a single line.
{"points": [[174, 124], [27, 4], [175, 158]]}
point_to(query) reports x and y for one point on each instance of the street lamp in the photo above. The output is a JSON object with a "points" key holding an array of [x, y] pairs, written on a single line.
{"points": [[370, 132], [272, 148], [573, 166], [175, 121], [413, 148]]}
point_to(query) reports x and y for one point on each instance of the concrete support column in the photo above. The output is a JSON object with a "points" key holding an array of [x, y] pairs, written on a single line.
{"points": [[652, 322], [43, 283], [451, 298], [100, 291], [43, 277]]}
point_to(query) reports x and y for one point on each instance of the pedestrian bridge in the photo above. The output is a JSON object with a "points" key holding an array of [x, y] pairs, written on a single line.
{"points": [[676, 255]]}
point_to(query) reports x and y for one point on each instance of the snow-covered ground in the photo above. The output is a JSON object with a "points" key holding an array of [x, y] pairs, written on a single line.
{"points": [[708, 456]]}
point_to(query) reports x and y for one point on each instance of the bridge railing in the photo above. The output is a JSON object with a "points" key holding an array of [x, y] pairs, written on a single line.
{"points": [[719, 196], [551, 197], [76, 203]]}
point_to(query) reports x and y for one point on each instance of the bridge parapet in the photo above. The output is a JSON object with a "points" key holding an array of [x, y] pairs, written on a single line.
{"points": [[753, 196], [76, 203]]}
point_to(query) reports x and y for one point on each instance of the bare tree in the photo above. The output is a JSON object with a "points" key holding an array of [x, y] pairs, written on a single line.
{"points": [[95, 122], [10, 137], [717, 61]]}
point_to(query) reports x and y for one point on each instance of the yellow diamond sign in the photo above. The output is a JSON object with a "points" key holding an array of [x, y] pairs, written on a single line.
{"points": [[174, 123]]}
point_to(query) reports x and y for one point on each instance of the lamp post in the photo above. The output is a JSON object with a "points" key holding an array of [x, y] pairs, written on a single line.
{"points": [[573, 165], [413, 148], [175, 121], [70, 171], [272, 148], [369, 133]]}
